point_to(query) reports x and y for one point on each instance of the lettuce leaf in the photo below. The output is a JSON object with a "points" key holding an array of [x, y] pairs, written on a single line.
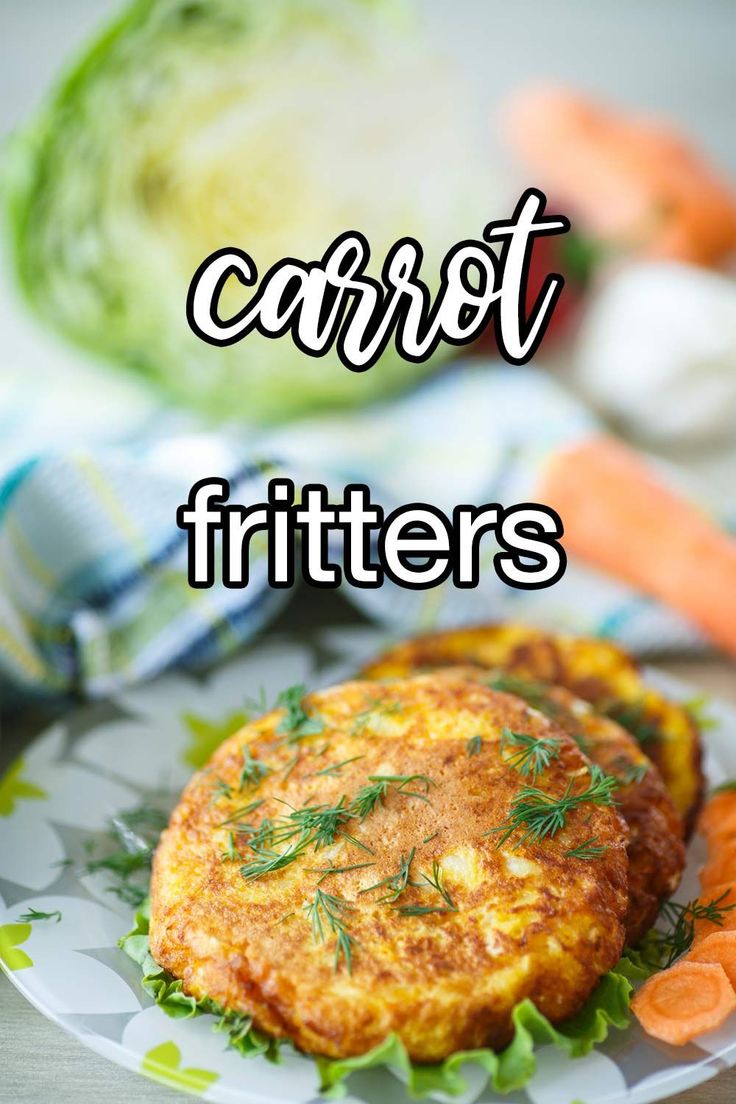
{"points": [[508, 1070]]}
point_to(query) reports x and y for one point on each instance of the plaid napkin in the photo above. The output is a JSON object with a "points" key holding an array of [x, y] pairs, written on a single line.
{"points": [[93, 589]]}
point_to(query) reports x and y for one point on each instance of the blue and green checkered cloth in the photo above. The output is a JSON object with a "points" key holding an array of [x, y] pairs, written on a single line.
{"points": [[93, 587]]}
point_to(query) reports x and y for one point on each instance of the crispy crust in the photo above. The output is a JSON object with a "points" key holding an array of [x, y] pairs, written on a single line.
{"points": [[593, 669], [655, 830], [531, 922]]}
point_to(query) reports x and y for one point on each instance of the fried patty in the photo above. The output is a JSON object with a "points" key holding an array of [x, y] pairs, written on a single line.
{"points": [[595, 670], [406, 912], [655, 830]]}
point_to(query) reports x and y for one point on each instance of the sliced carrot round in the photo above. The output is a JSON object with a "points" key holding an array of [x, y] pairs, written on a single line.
{"points": [[718, 818], [725, 894], [685, 1001], [719, 947], [720, 867]]}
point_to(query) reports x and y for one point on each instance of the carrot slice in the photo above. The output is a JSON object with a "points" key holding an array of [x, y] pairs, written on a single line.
{"points": [[725, 894], [685, 1001], [718, 818], [719, 947], [631, 181], [622, 518], [719, 869]]}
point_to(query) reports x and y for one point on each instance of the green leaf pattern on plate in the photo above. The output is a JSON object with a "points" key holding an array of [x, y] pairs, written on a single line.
{"points": [[163, 1063], [11, 936], [206, 736], [14, 788]]}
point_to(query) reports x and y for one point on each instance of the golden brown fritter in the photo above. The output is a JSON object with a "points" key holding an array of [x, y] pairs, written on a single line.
{"points": [[595, 670], [446, 926], [655, 830]]}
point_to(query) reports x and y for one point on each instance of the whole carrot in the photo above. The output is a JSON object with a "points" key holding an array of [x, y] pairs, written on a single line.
{"points": [[629, 181], [621, 517]]}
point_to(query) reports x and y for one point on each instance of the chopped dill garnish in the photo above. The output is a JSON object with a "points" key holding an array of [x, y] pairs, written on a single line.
{"points": [[329, 911], [259, 705], [253, 770], [633, 717], [297, 723], [665, 946], [36, 914], [291, 764], [322, 822], [372, 795], [337, 767], [542, 815], [231, 854], [132, 836], [395, 883], [435, 881], [635, 774], [266, 860], [474, 745], [535, 694], [326, 871], [241, 812], [220, 790], [529, 755], [587, 851], [375, 709]]}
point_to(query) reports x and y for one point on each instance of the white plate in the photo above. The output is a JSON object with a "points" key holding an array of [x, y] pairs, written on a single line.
{"points": [[107, 758]]}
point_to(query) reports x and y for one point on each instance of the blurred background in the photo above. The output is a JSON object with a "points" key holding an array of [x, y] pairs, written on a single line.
{"points": [[189, 126]]}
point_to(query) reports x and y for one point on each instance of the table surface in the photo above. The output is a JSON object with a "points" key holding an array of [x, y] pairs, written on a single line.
{"points": [[38, 1061]]}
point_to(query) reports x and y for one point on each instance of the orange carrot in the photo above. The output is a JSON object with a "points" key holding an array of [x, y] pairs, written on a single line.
{"points": [[685, 1001], [720, 868], [717, 821], [720, 947], [621, 517], [725, 894], [632, 182]]}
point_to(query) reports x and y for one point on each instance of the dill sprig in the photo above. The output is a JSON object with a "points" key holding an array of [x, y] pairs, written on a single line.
{"points": [[474, 745], [253, 770], [327, 871], [542, 815], [335, 768], [322, 823], [370, 796], [375, 709], [296, 724], [220, 791], [266, 860], [132, 836], [588, 850], [395, 883], [634, 774], [331, 912], [663, 947], [529, 755], [241, 812], [435, 881], [633, 717], [231, 854], [36, 914], [535, 694]]}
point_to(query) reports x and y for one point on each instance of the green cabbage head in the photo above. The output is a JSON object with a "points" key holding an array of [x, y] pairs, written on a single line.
{"points": [[272, 125]]}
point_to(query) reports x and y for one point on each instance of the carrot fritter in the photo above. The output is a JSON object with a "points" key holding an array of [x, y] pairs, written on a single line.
{"points": [[358, 866], [593, 669]]}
